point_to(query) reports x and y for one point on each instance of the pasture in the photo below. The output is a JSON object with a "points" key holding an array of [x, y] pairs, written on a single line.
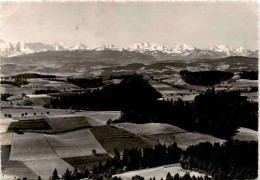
{"points": [[246, 134], [158, 172], [112, 137]]}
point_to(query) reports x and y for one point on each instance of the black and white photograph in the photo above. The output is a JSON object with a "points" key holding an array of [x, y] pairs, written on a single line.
{"points": [[129, 90]]}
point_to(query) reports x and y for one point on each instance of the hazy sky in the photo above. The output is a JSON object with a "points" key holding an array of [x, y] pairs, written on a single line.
{"points": [[200, 24]]}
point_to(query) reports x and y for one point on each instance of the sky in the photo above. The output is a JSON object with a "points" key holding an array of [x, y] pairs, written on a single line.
{"points": [[200, 24]]}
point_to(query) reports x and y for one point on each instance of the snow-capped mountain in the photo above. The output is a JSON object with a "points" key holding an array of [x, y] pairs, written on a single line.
{"points": [[160, 52]]}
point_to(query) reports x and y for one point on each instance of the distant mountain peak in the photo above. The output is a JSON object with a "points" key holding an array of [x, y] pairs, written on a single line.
{"points": [[161, 52]]}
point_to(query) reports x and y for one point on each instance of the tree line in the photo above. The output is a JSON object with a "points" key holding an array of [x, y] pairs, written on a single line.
{"points": [[251, 75], [232, 160]]}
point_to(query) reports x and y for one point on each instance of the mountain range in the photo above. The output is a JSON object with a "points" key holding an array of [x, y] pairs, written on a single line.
{"points": [[160, 52]]}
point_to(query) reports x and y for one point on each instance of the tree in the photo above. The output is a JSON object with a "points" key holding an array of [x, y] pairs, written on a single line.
{"points": [[67, 175], [176, 176], [117, 154], [55, 175], [169, 176], [95, 170], [94, 151], [85, 172], [9, 115], [39, 178], [137, 177]]}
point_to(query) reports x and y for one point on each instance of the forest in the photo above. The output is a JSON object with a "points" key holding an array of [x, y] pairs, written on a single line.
{"points": [[17, 82], [46, 91], [218, 113], [32, 75], [205, 78], [251, 75], [232, 160], [86, 83]]}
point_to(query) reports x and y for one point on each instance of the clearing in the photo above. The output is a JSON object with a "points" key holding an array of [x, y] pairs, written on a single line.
{"points": [[159, 172], [246, 134]]}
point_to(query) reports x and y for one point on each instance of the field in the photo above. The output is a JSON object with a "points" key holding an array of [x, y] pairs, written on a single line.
{"points": [[30, 125], [62, 124], [49, 84], [111, 138], [150, 128], [158, 172], [6, 138], [88, 161], [35, 117], [5, 88], [31, 146], [45, 167], [73, 144], [245, 134], [5, 154], [98, 118], [17, 112], [4, 123], [19, 169]]}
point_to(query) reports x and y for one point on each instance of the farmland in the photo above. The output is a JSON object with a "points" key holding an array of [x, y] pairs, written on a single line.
{"points": [[119, 136], [36, 139], [168, 134], [73, 144]]}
